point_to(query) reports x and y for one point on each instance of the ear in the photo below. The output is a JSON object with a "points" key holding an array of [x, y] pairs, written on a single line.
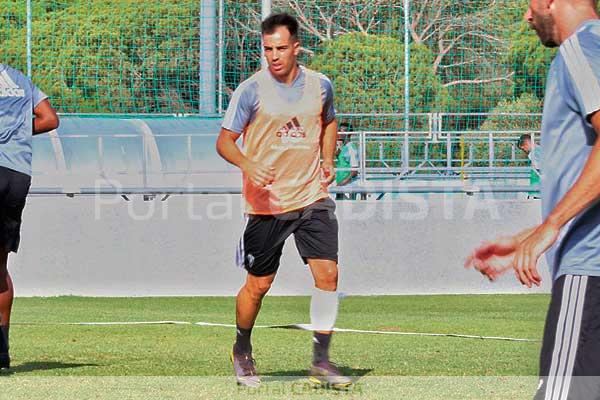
{"points": [[296, 47]]}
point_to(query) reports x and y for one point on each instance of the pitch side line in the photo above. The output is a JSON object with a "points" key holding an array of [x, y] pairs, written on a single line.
{"points": [[305, 327]]}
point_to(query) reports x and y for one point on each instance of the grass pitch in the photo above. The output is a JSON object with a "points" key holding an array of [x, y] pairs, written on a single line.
{"points": [[51, 360]]}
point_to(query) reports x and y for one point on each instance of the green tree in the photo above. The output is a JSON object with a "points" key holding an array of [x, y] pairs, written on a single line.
{"points": [[117, 56], [13, 27], [368, 74], [518, 115], [530, 60]]}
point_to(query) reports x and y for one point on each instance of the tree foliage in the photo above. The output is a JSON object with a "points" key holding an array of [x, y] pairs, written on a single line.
{"points": [[368, 72], [116, 55], [131, 56]]}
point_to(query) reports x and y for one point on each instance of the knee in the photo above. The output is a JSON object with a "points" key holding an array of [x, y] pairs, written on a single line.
{"points": [[259, 288], [328, 280]]}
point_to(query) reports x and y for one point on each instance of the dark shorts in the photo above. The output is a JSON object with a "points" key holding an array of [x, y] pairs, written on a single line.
{"points": [[570, 357], [315, 230], [14, 187]]}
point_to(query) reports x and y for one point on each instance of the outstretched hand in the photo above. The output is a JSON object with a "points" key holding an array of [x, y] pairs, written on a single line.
{"points": [[492, 259], [520, 252]]}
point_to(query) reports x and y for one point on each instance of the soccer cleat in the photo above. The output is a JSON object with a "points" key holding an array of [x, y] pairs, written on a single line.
{"points": [[4, 361], [244, 367], [325, 373]]}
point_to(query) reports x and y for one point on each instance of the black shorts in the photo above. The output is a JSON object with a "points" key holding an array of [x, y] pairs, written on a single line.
{"points": [[570, 357], [315, 230], [14, 187]]}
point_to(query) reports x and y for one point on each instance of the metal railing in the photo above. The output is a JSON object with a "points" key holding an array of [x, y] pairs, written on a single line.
{"points": [[180, 162]]}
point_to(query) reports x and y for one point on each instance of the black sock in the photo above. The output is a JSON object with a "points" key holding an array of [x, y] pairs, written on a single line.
{"points": [[4, 339], [321, 347], [242, 341]]}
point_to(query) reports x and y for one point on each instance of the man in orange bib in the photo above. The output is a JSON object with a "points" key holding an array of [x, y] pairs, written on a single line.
{"points": [[287, 118]]}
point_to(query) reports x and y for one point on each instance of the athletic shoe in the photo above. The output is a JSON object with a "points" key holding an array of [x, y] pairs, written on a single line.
{"points": [[245, 370], [4, 361], [325, 373]]}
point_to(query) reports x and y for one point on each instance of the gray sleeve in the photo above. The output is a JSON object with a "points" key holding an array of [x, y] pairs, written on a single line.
{"points": [[581, 53], [242, 107], [327, 96], [37, 95]]}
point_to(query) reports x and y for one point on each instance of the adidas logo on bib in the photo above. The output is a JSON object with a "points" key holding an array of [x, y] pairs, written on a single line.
{"points": [[292, 130]]}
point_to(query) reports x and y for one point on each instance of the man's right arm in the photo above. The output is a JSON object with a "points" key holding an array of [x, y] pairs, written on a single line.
{"points": [[45, 118], [229, 150], [239, 114], [258, 173]]}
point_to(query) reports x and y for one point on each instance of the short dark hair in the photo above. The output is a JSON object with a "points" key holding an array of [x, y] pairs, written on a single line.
{"points": [[526, 137], [273, 21], [347, 126]]}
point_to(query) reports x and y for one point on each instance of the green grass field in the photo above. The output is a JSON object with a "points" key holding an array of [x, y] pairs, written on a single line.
{"points": [[51, 360]]}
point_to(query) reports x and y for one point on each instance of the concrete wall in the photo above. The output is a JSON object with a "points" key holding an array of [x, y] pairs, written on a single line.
{"points": [[106, 246]]}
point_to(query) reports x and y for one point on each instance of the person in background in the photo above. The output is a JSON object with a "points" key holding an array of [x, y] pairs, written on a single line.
{"points": [[533, 152], [347, 161]]}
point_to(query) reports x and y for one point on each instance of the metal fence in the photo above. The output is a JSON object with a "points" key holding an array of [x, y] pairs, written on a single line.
{"points": [[187, 56], [185, 161]]}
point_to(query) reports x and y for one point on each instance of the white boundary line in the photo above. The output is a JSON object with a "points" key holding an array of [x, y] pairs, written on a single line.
{"points": [[305, 327]]}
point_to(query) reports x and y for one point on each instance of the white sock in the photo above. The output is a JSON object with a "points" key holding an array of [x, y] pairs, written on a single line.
{"points": [[323, 310]]}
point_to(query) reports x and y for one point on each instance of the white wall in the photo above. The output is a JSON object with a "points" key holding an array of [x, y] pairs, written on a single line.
{"points": [[185, 245]]}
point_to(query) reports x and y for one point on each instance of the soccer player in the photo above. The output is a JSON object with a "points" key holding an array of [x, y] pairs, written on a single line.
{"points": [[20, 100], [286, 116], [570, 231]]}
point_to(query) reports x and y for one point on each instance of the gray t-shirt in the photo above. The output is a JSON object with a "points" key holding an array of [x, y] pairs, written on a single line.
{"points": [[572, 95], [18, 98], [244, 102]]}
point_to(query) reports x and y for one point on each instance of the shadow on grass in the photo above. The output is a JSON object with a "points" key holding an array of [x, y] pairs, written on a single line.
{"points": [[275, 376], [42, 366]]}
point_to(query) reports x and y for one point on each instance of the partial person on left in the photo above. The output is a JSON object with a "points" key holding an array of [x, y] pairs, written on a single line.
{"points": [[24, 111]]}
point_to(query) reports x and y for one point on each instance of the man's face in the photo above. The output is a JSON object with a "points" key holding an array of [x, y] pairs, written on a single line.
{"points": [[540, 18], [525, 146], [281, 51], [338, 146]]}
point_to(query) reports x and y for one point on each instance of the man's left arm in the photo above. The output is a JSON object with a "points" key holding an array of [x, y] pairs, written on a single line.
{"points": [[584, 193], [329, 131], [328, 141]]}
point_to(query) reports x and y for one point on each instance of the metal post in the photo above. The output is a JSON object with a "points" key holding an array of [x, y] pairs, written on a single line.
{"points": [[363, 158], [406, 64], [491, 149], [406, 154], [29, 37], [221, 56], [265, 12], [406, 150], [449, 152], [208, 57]]}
